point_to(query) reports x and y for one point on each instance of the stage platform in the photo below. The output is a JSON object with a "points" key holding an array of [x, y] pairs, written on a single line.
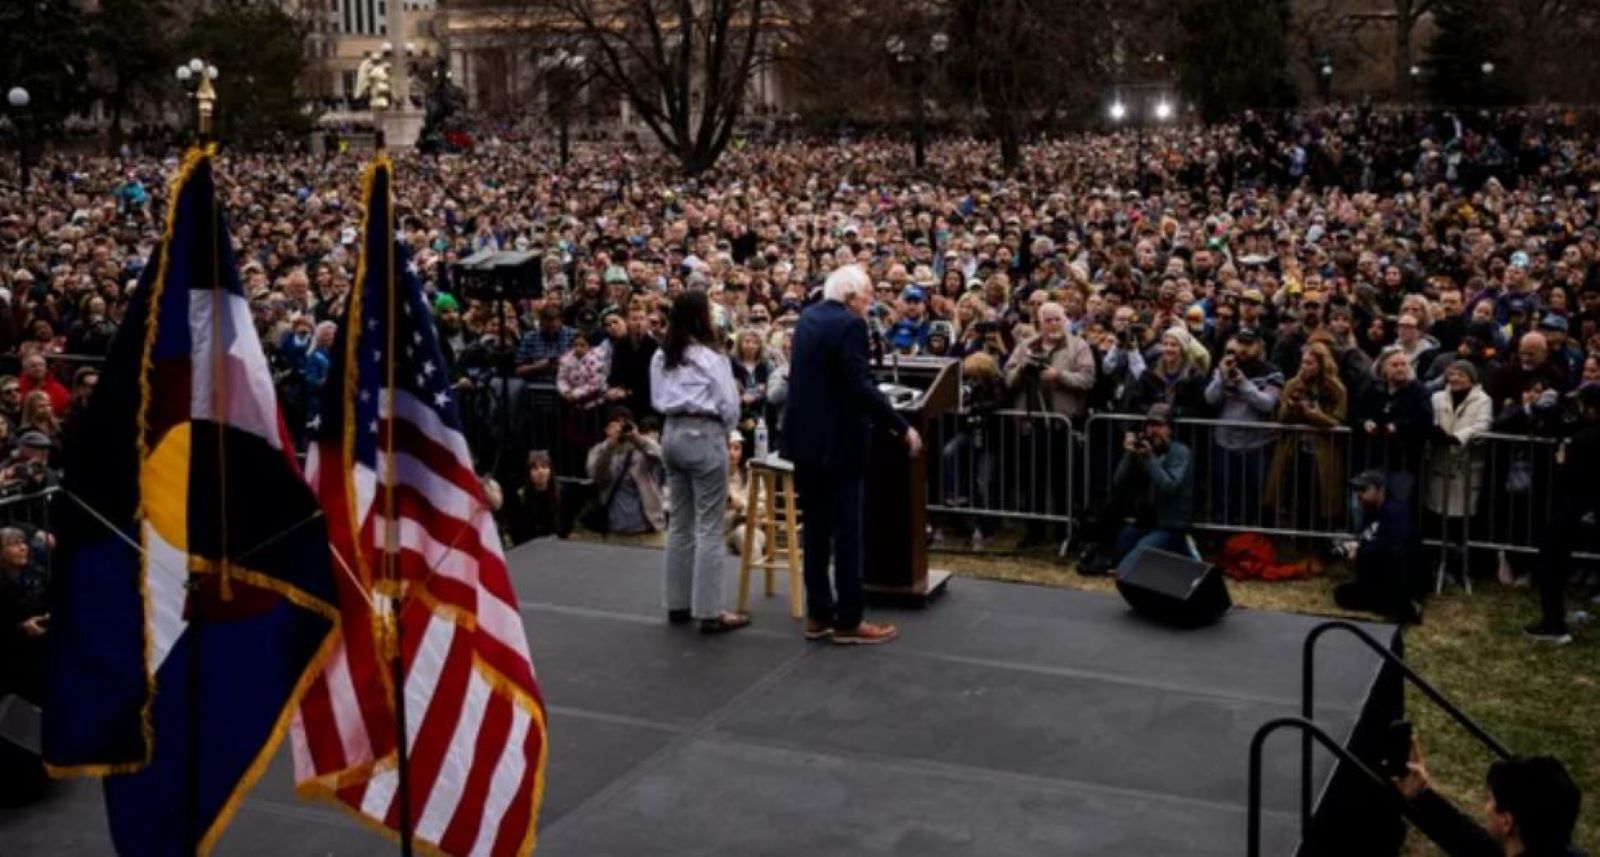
{"points": [[1008, 720]]}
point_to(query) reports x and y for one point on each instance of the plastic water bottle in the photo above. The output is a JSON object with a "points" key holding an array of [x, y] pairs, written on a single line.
{"points": [[761, 439]]}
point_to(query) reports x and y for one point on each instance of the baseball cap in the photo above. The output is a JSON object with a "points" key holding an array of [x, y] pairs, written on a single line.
{"points": [[914, 294], [1519, 259], [1369, 479], [34, 439], [1160, 412], [1253, 295], [1247, 334], [1552, 321]]}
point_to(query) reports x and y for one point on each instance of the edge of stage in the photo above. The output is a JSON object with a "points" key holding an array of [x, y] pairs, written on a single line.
{"points": [[1008, 720]]}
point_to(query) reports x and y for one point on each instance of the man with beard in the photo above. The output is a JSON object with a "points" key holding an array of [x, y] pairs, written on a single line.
{"points": [[450, 331], [1451, 322], [1246, 388], [629, 380]]}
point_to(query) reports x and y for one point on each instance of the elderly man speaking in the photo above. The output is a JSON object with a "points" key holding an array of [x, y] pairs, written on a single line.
{"points": [[832, 403]]}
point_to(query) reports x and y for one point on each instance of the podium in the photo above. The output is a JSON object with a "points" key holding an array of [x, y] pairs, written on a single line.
{"points": [[896, 537]]}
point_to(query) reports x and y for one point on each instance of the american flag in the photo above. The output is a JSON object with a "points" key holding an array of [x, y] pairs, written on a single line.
{"points": [[391, 468]]}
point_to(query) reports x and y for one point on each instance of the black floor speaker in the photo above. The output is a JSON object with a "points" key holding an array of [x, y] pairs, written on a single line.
{"points": [[1173, 588]]}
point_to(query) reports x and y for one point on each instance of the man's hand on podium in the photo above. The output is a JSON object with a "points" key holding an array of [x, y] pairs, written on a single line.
{"points": [[913, 441]]}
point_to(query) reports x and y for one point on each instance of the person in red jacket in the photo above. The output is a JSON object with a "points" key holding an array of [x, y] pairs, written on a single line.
{"points": [[34, 377]]}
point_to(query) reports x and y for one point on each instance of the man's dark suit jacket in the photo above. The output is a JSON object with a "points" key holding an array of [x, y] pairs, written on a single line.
{"points": [[832, 397]]}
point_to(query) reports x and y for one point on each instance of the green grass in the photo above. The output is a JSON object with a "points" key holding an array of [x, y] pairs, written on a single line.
{"points": [[1537, 699]]}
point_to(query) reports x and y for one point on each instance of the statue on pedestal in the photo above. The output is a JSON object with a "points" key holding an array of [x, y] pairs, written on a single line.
{"points": [[378, 94]]}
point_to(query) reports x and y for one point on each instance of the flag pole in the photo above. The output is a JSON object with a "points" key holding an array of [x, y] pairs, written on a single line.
{"points": [[390, 526], [196, 582]]}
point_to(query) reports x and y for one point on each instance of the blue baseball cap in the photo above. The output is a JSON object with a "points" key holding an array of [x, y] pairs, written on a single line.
{"points": [[914, 293]]}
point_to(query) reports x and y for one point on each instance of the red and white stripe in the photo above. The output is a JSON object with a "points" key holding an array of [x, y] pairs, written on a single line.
{"points": [[476, 737]]}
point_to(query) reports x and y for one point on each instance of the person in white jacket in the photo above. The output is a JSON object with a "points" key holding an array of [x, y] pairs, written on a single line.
{"points": [[1461, 411]]}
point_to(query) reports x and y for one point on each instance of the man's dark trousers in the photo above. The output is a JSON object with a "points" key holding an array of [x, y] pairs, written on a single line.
{"points": [[831, 502]]}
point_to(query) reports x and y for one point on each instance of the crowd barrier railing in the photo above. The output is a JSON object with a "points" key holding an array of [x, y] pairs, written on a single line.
{"points": [[1497, 493], [29, 510], [538, 419], [1272, 478], [1003, 464]]}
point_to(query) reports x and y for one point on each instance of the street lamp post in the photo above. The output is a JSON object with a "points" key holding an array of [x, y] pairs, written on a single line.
{"points": [[18, 99], [563, 67], [1162, 111], [1325, 78], [196, 76], [915, 59]]}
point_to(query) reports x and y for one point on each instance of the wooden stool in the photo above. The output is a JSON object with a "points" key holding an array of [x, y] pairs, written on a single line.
{"points": [[776, 477]]}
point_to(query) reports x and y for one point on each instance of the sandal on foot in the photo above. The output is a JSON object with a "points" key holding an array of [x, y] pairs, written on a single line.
{"points": [[724, 623]]}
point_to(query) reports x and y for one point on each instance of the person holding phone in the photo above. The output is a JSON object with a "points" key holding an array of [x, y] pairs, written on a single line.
{"points": [[1531, 811]]}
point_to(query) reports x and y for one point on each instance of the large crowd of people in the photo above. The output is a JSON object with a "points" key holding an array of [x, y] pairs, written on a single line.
{"points": [[1388, 285]]}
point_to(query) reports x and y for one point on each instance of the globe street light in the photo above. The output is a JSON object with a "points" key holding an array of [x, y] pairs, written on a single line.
{"points": [[1119, 111], [1163, 110], [18, 98], [1488, 68], [196, 76]]}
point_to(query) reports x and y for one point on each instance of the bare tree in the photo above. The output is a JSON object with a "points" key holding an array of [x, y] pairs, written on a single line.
{"points": [[1407, 14], [1551, 46], [684, 66]]}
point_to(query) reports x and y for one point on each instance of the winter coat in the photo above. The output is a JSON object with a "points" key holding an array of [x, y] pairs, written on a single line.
{"points": [[1253, 400], [1455, 472], [1323, 445], [1069, 393]]}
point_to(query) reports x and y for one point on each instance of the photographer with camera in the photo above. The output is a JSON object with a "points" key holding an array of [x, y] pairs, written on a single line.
{"points": [[1156, 478], [626, 468], [1382, 555], [28, 471], [1246, 387], [1051, 373]]}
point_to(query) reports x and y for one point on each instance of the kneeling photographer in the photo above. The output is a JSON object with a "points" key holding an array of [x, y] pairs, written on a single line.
{"points": [[1156, 479]]}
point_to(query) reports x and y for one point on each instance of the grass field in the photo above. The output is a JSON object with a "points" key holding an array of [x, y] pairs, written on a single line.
{"points": [[1536, 698]]}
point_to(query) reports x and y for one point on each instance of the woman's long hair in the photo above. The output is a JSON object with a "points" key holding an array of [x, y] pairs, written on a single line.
{"points": [[689, 322]]}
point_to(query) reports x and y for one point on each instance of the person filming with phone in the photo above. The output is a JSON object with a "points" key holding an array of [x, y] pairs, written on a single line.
{"points": [[1531, 810]]}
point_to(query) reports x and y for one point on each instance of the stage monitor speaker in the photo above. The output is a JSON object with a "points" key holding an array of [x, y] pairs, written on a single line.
{"points": [[1173, 588]]}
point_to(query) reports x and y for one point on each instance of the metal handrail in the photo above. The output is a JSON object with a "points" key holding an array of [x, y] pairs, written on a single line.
{"points": [[1308, 662], [1309, 731]]}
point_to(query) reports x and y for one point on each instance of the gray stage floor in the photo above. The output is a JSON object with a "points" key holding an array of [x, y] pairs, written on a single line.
{"points": [[1008, 720]]}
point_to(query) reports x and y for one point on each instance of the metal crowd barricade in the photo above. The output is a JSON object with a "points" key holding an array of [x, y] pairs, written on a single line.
{"points": [[30, 511], [1003, 464], [65, 366], [505, 419], [1517, 497]]}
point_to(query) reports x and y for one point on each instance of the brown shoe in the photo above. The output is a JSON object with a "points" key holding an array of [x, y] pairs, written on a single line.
{"points": [[818, 630], [865, 634]]}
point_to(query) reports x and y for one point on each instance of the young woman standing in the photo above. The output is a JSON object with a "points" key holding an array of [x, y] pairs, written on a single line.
{"points": [[691, 383]]}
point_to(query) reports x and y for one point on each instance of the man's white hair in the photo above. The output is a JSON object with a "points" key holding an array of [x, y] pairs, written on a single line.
{"points": [[846, 282]]}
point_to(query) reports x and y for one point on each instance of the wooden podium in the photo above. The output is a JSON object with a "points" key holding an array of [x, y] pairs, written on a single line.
{"points": [[896, 538]]}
